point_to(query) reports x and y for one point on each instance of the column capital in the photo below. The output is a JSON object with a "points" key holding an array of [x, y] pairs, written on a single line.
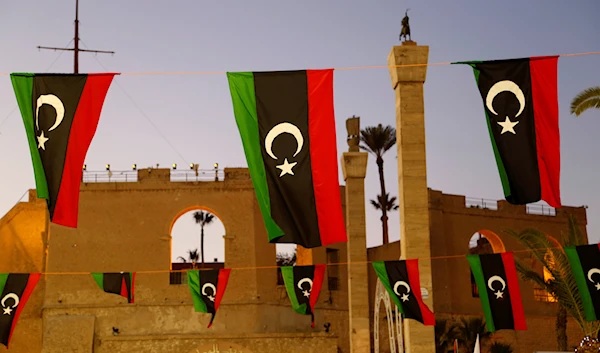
{"points": [[409, 53], [354, 164]]}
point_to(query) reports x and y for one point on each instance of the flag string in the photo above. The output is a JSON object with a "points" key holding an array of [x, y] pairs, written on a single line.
{"points": [[446, 257], [352, 68]]}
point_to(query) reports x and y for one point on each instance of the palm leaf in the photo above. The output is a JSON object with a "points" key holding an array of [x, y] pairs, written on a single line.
{"points": [[586, 99]]}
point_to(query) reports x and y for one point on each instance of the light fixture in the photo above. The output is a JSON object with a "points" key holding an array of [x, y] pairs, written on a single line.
{"points": [[174, 166], [216, 165], [108, 167], [192, 166], [85, 167], [134, 166]]}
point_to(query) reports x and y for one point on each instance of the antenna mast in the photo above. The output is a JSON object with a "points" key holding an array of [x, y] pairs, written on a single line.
{"points": [[76, 48]]}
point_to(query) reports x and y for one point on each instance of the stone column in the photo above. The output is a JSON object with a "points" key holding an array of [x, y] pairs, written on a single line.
{"points": [[413, 196], [354, 166]]}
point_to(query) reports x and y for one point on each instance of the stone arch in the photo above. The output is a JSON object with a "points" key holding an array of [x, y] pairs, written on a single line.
{"points": [[494, 240], [187, 211]]}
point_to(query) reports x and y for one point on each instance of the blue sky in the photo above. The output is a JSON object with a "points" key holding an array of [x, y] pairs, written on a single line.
{"points": [[194, 112]]}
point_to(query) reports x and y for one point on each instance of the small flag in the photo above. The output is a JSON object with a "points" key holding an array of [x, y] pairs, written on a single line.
{"points": [[585, 264], [303, 286], [287, 125], [520, 97], [120, 283], [207, 288], [60, 113], [477, 347], [401, 280], [15, 289], [499, 292]]}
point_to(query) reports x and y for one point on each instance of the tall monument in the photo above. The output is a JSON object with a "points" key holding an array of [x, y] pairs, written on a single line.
{"points": [[354, 166], [408, 68]]}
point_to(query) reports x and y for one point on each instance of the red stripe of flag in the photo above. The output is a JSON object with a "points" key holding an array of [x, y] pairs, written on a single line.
{"points": [[323, 156], [221, 286], [82, 132], [31, 283], [544, 92], [316, 289], [515, 292], [412, 268]]}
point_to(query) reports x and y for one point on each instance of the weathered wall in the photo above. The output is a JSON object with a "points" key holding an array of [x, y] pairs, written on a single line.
{"points": [[22, 240], [125, 226]]}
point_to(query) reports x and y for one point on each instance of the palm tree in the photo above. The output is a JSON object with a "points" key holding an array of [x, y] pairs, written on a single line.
{"points": [[192, 256], [203, 218], [377, 140], [499, 347], [467, 330], [586, 99], [445, 333], [389, 202], [562, 284]]}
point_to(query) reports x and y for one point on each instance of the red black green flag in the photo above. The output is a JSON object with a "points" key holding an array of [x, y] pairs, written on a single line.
{"points": [[121, 283], [520, 97], [401, 280], [303, 286], [60, 113], [207, 288], [287, 125], [585, 264], [499, 292], [15, 289]]}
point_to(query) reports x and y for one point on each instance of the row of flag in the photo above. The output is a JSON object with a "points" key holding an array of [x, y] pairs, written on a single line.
{"points": [[286, 122], [495, 276]]}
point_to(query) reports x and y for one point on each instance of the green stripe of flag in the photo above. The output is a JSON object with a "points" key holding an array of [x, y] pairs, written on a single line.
{"points": [[3, 278], [586, 298], [241, 85], [99, 278], [381, 272], [475, 264], [23, 87], [193, 277], [288, 278]]}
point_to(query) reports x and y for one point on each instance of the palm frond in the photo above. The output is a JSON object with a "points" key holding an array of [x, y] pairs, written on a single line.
{"points": [[377, 139], [550, 254], [586, 99]]}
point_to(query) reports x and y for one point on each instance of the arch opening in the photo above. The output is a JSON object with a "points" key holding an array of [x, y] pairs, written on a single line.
{"points": [[483, 242], [196, 235]]}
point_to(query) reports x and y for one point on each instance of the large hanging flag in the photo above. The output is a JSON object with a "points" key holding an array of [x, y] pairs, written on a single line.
{"points": [[120, 283], [585, 264], [15, 289], [521, 105], [499, 292], [401, 280], [303, 286], [60, 113], [287, 125], [207, 288]]}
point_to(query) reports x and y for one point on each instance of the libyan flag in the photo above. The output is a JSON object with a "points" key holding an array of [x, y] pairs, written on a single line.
{"points": [[15, 289], [207, 288], [121, 283], [520, 97], [60, 113], [287, 125], [499, 292], [401, 280], [303, 285], [585, 264]]}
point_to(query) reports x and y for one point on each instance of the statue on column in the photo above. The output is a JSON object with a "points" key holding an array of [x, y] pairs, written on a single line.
{"points": [[405, 27], [353, 128]]}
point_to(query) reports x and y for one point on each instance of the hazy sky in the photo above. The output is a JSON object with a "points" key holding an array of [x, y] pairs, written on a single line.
{"points": [[194, 112]]}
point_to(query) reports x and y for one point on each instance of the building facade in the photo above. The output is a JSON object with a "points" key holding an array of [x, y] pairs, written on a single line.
{"points": [[125, 224]]}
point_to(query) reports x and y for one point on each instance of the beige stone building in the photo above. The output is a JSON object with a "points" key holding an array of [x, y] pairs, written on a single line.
{"points": [[125, 225]]}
